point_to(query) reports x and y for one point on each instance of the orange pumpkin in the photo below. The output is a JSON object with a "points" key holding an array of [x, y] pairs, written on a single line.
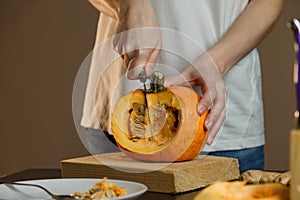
{"points": [[176, 132], [240, 191]]}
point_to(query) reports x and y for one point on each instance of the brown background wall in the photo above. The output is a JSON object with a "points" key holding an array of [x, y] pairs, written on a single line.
{"points": [[42, 44]]}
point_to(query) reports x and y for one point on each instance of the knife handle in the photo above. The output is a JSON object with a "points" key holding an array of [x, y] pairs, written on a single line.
{"points": [[142, 75]]}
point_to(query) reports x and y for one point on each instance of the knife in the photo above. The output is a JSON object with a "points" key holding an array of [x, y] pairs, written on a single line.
{"points": [[143, 79], [294, 25]]}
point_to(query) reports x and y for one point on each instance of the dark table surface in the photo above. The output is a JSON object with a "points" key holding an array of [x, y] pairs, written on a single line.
{"points": [[34, 174]]}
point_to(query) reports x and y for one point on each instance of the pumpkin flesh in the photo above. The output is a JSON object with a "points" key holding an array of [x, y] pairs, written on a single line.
{"points": [[178, 131]]}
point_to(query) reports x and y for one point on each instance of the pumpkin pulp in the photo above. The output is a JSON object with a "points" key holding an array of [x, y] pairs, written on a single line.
{"points": [[135, 134]]}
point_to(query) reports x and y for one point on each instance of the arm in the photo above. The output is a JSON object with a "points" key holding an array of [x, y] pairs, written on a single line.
{"points": [[208, 70], [136, 24], [245, 33]]}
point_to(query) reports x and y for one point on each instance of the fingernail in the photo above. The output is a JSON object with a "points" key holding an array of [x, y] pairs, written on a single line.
{"points": [[201, 110], [208, 124]]}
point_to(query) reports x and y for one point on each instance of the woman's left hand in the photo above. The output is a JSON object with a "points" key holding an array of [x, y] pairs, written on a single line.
{"points": [[204, 73]]}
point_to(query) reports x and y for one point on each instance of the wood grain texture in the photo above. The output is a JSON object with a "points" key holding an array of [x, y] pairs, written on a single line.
{"points": [[295, 163], [159, 177]]}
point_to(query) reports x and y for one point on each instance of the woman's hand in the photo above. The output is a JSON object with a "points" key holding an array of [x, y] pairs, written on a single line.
{"points": [[139, 38], [204, 73]]}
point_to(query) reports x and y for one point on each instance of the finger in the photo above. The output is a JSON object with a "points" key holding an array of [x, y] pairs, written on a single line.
{"points": [[218, 105], [184, 78], [116, 37], [213, 115], [129, 56], [115, 40], [181, 80], [120, 38], [216, 127], [205, 103], [119, 43], [151, 63], [216, 117], [137, 63]]}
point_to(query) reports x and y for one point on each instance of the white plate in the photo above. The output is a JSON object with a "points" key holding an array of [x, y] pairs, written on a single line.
{"points": [[65, 187]]}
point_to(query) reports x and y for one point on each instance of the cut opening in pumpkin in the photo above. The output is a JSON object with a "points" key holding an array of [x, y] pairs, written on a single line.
{"points": [[137, 134]]}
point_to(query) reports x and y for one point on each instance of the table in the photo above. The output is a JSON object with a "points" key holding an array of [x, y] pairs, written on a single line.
{"points": [[34, 174]]}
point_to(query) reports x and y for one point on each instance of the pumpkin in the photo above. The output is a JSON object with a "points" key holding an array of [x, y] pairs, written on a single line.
{"points": [[168, 130], [238, 190]]}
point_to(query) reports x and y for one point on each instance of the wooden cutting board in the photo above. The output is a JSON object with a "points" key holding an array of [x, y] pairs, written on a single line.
{"points": [[159, 177]]}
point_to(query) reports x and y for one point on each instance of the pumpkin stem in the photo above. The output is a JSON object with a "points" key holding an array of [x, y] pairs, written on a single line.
{"points": [[157, 83]]}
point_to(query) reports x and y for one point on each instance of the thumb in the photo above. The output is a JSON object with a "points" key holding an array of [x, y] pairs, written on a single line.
{"points": [[136, 65], [179, 79], [185, 78], [151, 62]]}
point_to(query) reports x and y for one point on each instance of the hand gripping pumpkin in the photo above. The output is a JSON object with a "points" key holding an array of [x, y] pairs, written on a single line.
{"points": [[171, 130]]}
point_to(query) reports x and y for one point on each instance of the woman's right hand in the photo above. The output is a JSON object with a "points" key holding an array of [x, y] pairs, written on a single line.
{"points": [[139, 38]]}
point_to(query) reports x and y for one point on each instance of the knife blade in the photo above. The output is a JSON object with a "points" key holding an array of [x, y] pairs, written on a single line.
{"points": [[143, 79], [294, 25]]}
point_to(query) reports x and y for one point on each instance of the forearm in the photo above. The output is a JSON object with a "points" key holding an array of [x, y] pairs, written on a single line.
{"points": [[245, 33]]}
